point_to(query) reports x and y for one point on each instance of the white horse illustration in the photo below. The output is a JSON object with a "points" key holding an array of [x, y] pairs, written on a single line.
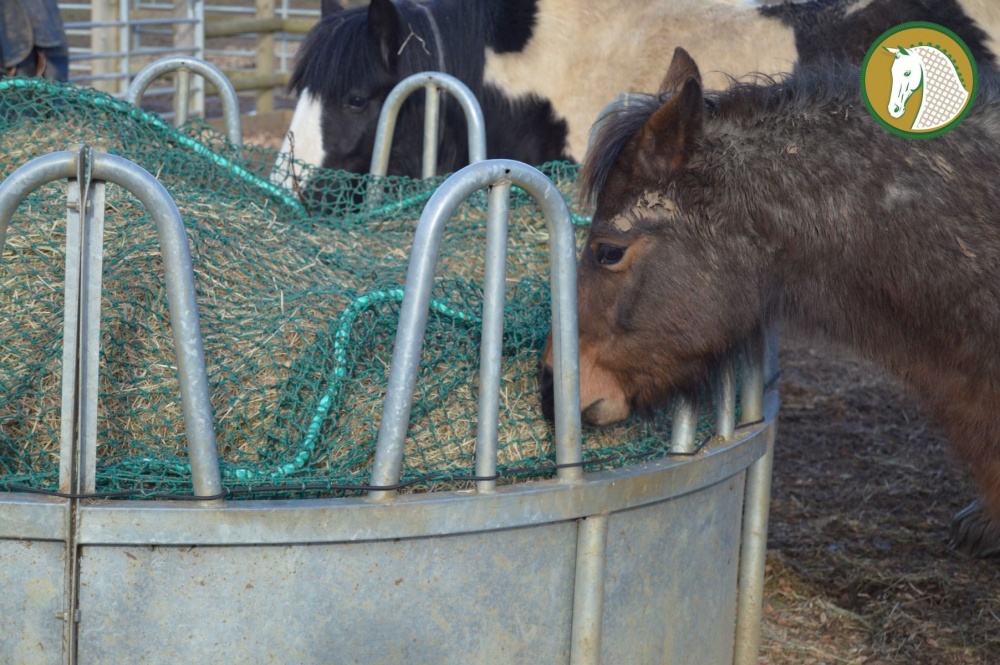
{"points": [[929, 67]]}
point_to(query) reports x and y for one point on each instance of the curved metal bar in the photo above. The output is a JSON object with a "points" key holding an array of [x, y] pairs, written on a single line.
{"points": [[230, 102], [413, 314], [394, 101], [179, 277], [29, 177]]}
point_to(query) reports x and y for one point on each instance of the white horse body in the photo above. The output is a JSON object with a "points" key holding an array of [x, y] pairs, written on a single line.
{"points": [[987, 15], [571, 34], [309, 146]]}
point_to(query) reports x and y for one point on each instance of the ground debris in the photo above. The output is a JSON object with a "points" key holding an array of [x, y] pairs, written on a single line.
{"points": [[864, 487]]}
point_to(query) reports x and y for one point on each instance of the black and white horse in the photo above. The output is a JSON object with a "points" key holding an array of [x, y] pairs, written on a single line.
{"points": [[543, 69]]}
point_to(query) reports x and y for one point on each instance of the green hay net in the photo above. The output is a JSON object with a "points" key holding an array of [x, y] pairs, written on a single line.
{"points": [[298, 297]]}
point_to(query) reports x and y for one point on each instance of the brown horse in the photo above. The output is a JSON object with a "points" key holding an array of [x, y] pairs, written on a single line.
{"points": [[717, 215]]}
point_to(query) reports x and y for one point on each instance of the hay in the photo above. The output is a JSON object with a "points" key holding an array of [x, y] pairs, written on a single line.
{"points": [[298, 312]]}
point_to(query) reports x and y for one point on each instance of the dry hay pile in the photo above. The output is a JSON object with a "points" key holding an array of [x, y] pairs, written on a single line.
{"points": [[298, 310]]}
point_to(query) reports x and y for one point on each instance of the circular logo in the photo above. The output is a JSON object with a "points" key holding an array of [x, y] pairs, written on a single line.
{"points": [[918, 80]]}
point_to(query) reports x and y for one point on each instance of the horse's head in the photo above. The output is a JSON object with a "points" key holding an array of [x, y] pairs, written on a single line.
{"points": [[626, 294], [654, 294], [907, 76], [348, 64]]}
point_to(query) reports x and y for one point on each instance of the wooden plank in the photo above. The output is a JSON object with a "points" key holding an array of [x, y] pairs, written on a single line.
{"points": [[265, 58], [243, 26]]}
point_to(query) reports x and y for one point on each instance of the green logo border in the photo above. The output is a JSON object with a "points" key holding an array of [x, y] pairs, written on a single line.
{"points": [[902, 132]]}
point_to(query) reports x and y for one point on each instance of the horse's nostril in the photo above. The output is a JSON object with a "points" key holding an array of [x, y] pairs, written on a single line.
{"points": [[546, 386]]}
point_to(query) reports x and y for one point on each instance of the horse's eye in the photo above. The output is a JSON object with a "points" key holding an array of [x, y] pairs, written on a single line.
{"points": [[357, 102], [609, 255], [906, 73]]}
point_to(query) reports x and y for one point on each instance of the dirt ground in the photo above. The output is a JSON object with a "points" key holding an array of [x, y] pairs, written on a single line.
{"points": [[864, 488], [863, 491]]}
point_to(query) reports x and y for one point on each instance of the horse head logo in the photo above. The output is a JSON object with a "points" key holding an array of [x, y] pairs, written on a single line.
{"points": [[928, 59], [907, 77]]}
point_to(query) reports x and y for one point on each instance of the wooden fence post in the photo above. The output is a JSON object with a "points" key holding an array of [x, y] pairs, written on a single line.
{"points": [[265, 57], [105, 40]]}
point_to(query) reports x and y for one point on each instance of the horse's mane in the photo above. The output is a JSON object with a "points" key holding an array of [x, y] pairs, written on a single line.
{"points": [[809, 91], [339, 56]]}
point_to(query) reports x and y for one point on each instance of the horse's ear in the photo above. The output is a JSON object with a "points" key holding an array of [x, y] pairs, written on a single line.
{"points": [[327, 7], [667, 139], [384, 28], [682, 67]]}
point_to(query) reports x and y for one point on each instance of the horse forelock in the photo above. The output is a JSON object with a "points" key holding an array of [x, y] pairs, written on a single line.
{"points": [[339, 56], [615, 129]]}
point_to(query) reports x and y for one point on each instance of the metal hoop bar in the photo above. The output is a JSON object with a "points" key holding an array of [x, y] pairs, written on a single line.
{"points": [[588, 590], [684, 425], [491, 347], [181, 101], [230, 102], [756, 508], [752, 381], [413, 314], [81, 327], [753, 551], [390, 110], [725, 400], [432, 115], [179, 277]]}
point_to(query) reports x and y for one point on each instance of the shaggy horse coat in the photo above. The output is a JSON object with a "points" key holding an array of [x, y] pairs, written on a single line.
{"points": [[543, 69], [718, 214]]}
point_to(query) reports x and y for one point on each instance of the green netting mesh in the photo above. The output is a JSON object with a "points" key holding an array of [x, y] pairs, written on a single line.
{"points": [[298, 297]]}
